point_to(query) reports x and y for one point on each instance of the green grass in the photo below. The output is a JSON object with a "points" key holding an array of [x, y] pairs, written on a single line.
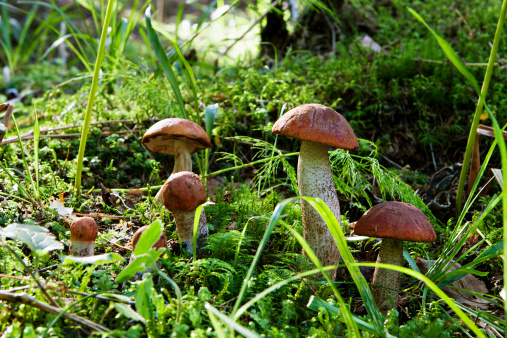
{"points": [[252, 279]]}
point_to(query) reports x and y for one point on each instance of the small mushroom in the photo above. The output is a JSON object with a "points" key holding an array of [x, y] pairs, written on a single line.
{"points": [[83, 232], [159, 244], [178, 137], [319, 127], [394, 222], [182, 193]]}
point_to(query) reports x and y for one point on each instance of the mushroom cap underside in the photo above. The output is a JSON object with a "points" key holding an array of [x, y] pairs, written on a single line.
{"points": [[161, 136], [396, 220], [317, 123]]}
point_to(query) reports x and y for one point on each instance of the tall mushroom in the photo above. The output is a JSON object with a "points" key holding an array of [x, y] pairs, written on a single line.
{"points": [[178, 137], [394, 222], [319, 127], [182, 193], [83, 232]]}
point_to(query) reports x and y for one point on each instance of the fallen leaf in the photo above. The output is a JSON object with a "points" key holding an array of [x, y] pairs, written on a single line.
{"points": [[60, 208], [468, 282]]}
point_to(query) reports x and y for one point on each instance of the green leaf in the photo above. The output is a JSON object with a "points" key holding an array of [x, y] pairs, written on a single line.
{"points": [[139, 264], [128, 312], [143, 297], [98, 259], [164, 62], [149, 237], [410, 260], [209, 117], [36, 237]]}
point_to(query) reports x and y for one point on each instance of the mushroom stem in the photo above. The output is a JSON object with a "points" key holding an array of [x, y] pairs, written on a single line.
{"points": [[385, 280], [182, 158], [185, 226], [182, 162], [316, 180], [81, 249]]}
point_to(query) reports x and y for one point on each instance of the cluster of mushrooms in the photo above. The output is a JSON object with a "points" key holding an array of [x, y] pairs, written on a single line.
{"points": [[319, 127]]}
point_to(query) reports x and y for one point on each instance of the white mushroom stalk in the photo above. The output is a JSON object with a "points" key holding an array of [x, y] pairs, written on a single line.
{"points": [[185, 227], [315, 179], [318, 127]]}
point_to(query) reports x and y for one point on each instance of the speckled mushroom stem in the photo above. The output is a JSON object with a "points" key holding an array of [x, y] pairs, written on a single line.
{"points": [[316, 180], [385, 280], [182, 158], [185, 227], [81, 249], [182, 162]]}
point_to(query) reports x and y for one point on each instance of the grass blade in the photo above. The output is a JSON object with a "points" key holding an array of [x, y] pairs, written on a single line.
{"points": [[162, 58], [240, 329], [91, 98], [433, 288]]}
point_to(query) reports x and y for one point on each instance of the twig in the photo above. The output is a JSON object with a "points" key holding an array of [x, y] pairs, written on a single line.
{"points": [[114, 243], [41, 286], [72, 292], [106, 216], [29, 136], [304, 281], [273, 4], [24, 298], [8, 108]]}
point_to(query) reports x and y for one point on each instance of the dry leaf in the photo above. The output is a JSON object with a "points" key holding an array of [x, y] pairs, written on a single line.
{"points": [[60, 208], [468, 282]]}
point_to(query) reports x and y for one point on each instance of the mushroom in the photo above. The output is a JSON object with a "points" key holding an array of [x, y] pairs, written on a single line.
{"points": [[83, 232], [178, 137], [182, 193], [159, 244], [318, 127], [394, 222]]}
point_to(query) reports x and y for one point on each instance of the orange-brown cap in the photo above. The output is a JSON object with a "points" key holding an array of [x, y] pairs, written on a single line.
{"points": [[161, 136], [183, 191], [160, 243], [317, 123], [396, 220], [83, 229]]}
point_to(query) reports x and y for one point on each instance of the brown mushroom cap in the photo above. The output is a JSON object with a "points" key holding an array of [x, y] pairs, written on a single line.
{"points": [[161, 136], [160, 243], [183, 191], [317, 123], [396, 220], [83, 229]]}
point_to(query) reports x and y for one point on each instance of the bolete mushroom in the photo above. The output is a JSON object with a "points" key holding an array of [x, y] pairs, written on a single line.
{"points": [[178, 137], [394, 222], [182, 193], [83, 232], [319, 127], [159, 244]]}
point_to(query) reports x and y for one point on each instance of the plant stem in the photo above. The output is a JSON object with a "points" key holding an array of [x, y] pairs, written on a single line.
{"points": [[479, 107], [91, 98], [216, 173]]}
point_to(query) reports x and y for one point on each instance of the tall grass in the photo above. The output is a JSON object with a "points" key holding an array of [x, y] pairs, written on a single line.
{"points": [[91, 97], [451, 54]]}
